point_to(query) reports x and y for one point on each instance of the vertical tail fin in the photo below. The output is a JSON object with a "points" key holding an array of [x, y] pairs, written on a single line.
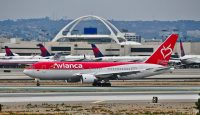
{"points": [[162, 55], [96, 51], [44, 51], [182, 50], [8, 51]]}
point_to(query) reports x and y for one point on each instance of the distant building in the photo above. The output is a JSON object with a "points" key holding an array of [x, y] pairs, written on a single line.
{"points": [[151, 40], [71, 32], [133, 37]]}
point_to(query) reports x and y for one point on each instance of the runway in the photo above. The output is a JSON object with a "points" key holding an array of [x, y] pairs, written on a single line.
{"points": [[98, 94], [96, 97], [144, 89]]}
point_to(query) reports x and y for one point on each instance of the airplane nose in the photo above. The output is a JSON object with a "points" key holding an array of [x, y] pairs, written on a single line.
{"points": [[27, 72]]}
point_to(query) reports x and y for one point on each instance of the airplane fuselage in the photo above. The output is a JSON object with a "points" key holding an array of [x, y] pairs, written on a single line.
{"points": [[190, 59], [73, 70]]}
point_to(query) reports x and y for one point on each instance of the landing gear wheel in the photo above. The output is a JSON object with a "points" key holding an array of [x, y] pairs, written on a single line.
{"points": [[38, 83], [97, 84], [106, 84], [94, 84]]}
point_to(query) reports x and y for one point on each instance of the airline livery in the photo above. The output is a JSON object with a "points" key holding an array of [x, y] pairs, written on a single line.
{"points": [[99, 73], [96, 51]]}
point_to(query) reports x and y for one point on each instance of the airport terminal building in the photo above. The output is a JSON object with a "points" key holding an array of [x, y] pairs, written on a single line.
{"points": [[76, 38]]}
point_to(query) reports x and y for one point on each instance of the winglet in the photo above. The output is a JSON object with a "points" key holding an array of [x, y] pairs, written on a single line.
{"points": [[44, 51], [162, 55], [96, 51], [182, 50], [8, 51]]}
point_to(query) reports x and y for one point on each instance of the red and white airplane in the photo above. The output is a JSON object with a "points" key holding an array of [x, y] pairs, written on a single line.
{"points": [[99, 73]]}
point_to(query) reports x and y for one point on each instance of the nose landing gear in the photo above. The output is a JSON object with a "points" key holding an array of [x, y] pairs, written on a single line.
{"points": [[37, 82]]}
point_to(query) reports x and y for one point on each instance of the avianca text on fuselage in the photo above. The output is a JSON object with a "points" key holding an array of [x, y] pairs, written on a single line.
{"points": [[67, 66]]}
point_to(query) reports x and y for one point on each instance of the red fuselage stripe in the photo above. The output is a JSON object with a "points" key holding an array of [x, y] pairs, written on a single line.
{"points": [[77, 65]]}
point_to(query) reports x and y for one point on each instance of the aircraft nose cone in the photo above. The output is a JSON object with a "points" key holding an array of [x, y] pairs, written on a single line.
{"points": [[27, 72]]}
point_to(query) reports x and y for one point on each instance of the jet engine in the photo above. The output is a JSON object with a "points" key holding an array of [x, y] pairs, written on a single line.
{"points": [[88, 78]]}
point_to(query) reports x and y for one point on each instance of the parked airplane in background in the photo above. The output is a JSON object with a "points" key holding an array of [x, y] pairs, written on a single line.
{"points": [[8, 53], [15, 58], [188, 59], [99, 73], [11, 59], [71, 58], [99, 56]]}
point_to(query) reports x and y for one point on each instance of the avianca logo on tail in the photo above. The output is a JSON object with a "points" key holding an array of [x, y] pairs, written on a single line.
{"points": [[67, 66], [166, 51]]}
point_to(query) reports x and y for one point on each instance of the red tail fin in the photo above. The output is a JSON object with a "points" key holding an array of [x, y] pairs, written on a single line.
{"points": [[163, 53], [8, 51], [96, 51], [182, 50], [44, 51]]}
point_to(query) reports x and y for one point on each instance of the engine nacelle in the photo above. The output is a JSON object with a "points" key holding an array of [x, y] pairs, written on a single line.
{"points": [[87, 78]]}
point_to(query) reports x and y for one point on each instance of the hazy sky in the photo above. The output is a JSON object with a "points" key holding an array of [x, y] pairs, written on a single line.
{"points": [[109, 9]]}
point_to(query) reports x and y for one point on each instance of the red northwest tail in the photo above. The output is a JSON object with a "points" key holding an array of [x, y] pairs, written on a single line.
{"points": [[162, 55]]}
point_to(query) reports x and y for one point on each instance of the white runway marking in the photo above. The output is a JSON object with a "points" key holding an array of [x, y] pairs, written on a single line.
{"points": [[98, 101]]}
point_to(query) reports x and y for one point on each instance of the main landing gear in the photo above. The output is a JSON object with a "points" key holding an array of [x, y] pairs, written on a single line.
{"points": [[100, 84], [37, 82]]}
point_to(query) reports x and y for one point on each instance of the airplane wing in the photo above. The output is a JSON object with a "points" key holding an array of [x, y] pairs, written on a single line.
{"points": [[109, 75], [115, 73]]}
